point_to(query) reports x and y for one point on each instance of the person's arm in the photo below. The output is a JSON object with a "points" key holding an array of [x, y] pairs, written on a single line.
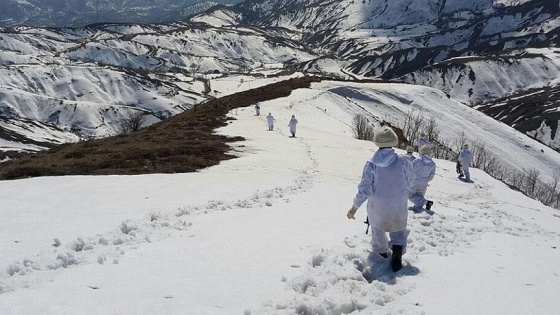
{"points": [[432, 173], [365, 187], [409, 172]]}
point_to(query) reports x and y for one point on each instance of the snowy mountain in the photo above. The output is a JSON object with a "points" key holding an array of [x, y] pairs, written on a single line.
{"points": [[388, 39], [481, 53], [74, 13], [475, 51], [534, 111], [267, 233], [518, 88], [86, 81]]}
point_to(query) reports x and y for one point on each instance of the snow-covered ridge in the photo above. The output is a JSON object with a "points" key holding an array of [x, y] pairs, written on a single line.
{"points": [[277, 240], [420, 41]]}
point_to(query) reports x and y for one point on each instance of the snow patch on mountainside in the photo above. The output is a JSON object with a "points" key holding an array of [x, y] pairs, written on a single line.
{"points": [[546, 135], [193, 49], [218, 18], [27, 135], [472, 80], [87, 99]]}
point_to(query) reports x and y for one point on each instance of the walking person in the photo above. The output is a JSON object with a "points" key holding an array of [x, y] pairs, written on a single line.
{"points": [[410, 153], [424, 171], [423, 140], [270, 120], [293, 123], [465, 159], [257, 109], [385, 182]]}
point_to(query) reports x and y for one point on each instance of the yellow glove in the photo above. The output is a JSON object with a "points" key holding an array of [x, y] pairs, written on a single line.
{"points": [[351, 213]]}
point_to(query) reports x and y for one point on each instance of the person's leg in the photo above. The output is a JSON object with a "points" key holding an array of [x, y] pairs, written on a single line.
{"points": [[417, 197], [379, 241], [398, 246], [399, 238], [460, 170], [467, 173]]}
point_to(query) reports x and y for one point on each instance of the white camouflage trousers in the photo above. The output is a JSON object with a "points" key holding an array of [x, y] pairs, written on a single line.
{"points": [[381, 244]]}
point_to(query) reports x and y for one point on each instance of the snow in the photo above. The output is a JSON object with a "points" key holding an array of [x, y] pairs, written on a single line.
{"points": [[475, 81], [37, 132], [217, 18], [267, 233], [227, 85]]}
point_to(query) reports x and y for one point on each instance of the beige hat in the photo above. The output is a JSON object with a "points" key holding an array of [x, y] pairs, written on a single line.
{"points": [[385, 137], [409, 149], [425, 149]]}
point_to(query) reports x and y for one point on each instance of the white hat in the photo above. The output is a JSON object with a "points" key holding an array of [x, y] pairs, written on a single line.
{"points": [[425, 149], [385, 137]]}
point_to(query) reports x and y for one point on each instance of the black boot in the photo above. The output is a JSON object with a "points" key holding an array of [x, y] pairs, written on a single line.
{"points": [[396, 259], [429, 204]]}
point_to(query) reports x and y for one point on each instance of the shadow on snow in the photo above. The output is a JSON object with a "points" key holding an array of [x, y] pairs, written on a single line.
{"points": [[378, 268]]}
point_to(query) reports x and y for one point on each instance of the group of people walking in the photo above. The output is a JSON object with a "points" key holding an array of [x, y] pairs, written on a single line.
{"points": [[388, 182], [271, 120]]}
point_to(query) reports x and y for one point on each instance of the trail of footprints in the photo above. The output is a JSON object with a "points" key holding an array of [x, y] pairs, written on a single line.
{"points": [[347, 277], [156, 226]]}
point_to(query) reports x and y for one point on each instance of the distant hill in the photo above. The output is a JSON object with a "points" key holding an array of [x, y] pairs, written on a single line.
{"points": [[77, 13]]}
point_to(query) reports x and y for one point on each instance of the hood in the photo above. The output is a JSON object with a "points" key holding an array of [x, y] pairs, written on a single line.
{"points": [[426, 159], [383, 157]]}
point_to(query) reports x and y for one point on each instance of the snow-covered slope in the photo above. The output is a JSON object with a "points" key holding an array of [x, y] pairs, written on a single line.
{"points": [[475, 51], [87, 80], [30, 135], [267, 233], [90, 100], [517, 88], [390, 102], [191, 47], [373, 28], [535, 112], [474, 80]]}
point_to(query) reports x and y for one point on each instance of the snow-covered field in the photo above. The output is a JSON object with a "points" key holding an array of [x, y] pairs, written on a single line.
{"points": [[267, 233]]}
